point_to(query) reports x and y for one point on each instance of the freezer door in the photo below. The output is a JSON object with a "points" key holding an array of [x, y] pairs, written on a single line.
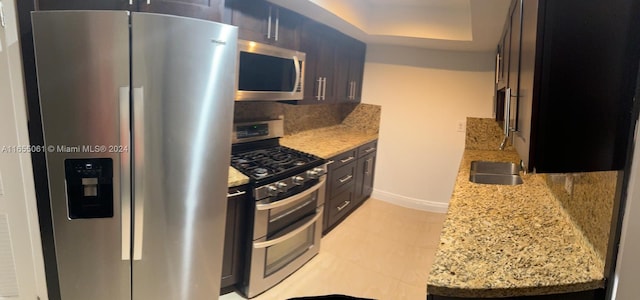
{"points": [[183, 79], [83, 74]]}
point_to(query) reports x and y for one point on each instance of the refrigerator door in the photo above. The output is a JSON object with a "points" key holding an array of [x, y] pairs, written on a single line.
{"points": [[82, 63], [183, 79]]}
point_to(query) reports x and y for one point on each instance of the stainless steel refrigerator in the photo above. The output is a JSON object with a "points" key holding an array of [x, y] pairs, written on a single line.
{"points": [[137, 119]]}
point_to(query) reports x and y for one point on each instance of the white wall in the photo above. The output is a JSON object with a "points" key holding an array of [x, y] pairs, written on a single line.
{"points": [[626, 276], [21, 261], [423, 94]]}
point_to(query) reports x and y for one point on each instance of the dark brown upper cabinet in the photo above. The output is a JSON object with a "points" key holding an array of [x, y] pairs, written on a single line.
{"points": [[349, 69], [211, 10], [263, 22], [334, 65], [573, 79], [86, 5], [318, 42]]}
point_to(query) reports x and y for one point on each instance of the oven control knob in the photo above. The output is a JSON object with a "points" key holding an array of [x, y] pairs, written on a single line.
{"points": [[320, 171], [298, 180], [281, 186], [313, 174], [272, 190]]}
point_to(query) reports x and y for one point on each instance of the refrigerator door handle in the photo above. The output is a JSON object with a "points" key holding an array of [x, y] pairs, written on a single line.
{"points": [[125, 173], [138, 135]]}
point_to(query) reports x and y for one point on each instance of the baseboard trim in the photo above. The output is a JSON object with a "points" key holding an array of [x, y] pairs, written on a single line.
{"points": [[409, 202]]}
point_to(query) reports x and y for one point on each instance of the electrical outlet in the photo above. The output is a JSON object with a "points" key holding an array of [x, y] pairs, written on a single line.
{"points": [[568, 183], [461, 126]]}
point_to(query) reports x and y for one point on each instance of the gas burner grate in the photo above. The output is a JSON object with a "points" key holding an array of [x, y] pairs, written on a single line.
{"points": [[264, 163]]}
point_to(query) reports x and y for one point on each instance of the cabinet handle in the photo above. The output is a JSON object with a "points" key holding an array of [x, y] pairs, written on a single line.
{"points": [[355, 84], [238, 193], [324, 88], [343, 180], [507, 112], [346, 203], [130, 2], [368, 166], [319, 94], [498, 59], [370, 150], [269, 25], [148, 2], [347, 159], [330, 162], [277, 23]]}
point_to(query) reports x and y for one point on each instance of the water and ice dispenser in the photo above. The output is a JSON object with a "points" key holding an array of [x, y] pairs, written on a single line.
{"points": [[89, 188]]}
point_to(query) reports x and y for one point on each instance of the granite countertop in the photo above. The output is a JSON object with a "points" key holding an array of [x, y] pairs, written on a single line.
{"points": [[329, 141], [236, 178], [505, 241], [324, 142]]}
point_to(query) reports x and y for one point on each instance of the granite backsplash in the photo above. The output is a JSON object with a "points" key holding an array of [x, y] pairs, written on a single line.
{"points": [[587, 197], [298, 118]]}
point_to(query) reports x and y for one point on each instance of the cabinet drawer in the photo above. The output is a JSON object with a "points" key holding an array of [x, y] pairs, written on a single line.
{"points": [[339, 206], [343, 159], [367, 148], [342, 178]]}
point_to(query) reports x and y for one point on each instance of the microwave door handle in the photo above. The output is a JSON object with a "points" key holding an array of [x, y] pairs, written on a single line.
{"points": [[296, 65]]}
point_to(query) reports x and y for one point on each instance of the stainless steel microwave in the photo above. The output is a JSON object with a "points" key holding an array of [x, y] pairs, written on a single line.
{"points": [[267, 72]]}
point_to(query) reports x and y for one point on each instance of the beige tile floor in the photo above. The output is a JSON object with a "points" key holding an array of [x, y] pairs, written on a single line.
{"points": [[381, 251]]}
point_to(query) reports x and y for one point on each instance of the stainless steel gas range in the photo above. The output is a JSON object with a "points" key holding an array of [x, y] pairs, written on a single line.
{"points": [[288, 188]]}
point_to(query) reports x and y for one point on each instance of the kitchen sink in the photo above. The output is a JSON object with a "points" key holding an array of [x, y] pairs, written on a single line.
{"points": [[494, 172]]}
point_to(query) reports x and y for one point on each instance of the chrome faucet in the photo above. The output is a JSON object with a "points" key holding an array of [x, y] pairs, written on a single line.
{"points": [[504, 142]]}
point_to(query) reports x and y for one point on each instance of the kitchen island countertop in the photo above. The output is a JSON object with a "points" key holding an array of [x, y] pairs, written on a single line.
{"points": [[329, 141], [506, 241]]}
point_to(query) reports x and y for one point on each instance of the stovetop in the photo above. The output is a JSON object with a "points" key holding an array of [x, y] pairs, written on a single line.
{"points": [[273, 163]]}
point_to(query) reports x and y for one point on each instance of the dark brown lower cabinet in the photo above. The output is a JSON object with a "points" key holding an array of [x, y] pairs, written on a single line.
{"points": [[235, 230], [365, 170], [349, 183], [584, 295]]}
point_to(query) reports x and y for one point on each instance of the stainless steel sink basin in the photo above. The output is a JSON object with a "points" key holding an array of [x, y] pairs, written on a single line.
{"points": [[495, 167], [493, 172], [499, 179]]}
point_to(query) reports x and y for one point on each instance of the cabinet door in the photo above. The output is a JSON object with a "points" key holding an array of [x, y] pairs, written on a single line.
{"points": [[86, 5], [514, 63], [356, 70], [318, 42], [263, 22], [339, 207], [341, 70], [200, 9], [348, 69], [234, 238], [366, 168]]}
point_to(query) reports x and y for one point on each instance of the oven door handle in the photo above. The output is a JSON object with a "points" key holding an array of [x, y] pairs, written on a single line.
{"points": [[292, 199], [290, 234]]}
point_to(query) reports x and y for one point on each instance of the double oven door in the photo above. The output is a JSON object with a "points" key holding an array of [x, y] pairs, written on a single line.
{"points": [[286, 235]]}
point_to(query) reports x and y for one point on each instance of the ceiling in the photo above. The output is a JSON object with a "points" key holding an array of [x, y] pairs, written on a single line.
{"points": [[461, 25]]}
